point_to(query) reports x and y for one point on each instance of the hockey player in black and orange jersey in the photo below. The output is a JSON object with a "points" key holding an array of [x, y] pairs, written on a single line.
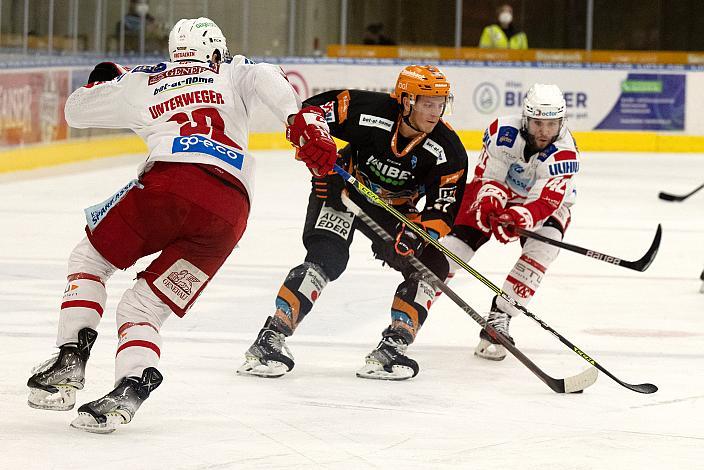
{"points": [[400, 148]]}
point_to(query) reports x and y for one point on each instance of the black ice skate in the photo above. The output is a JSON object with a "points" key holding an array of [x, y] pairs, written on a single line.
{"points": [[105, 414], [389, 361], [268, 356], [489, 347], [54, 383]]}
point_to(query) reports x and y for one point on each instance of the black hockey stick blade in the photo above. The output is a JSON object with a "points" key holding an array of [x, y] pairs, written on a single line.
{"points": [[639, 265], [649, 256], [573, 384], [645, 388], [672, 197]]}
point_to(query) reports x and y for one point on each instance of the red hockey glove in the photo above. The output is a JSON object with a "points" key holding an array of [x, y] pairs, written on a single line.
{"points": [[491, 199], [408, 243], [106, 71], [503, 226], [310, 135]]}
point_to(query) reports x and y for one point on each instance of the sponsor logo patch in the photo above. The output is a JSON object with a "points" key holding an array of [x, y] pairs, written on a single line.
{"points": [[506, 136], [424, 294], [339, 223], [183, 83], [564, 168], [94, 214], [181, 282], [200, 144], [329, 109], [311, 285], [435, 148], [375, 121], [176, 72]]}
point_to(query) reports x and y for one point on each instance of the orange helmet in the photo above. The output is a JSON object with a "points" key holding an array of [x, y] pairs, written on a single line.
{"points": [[420, 80]]}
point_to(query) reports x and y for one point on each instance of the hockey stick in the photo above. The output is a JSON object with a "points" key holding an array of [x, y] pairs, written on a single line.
{"points": [[573, 384], [671, 197], [376, 200], [639, 265]]}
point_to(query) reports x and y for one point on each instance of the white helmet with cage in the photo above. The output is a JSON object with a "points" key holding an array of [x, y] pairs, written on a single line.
{"points": [[197, 39]]}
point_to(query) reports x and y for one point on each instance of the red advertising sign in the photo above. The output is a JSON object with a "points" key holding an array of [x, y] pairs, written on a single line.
{"points": [[32, 107]]}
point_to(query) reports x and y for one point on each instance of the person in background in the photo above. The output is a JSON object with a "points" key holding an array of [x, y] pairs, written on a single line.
{"points": [[374, 35], [503, 35]]}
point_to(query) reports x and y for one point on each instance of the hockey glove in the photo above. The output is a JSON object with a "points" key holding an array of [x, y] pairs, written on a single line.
{"points": [[329, 190], [490, 201], [504, 225], [106, 71], [310, 135], [408, 243]]}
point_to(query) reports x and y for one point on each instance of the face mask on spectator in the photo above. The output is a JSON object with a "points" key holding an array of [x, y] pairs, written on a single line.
{"points": [[505, 18]]}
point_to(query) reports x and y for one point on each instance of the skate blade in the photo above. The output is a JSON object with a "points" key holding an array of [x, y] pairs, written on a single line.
{"points": [[488, 350], [63, 400], [376, 371], [86, 422], [255, 368]]}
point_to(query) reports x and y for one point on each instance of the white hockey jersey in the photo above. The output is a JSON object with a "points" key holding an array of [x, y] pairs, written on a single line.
{"points": [[543, 181], [189, 112]]}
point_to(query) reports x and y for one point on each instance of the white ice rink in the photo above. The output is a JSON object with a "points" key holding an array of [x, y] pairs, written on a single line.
{"points": [[459, 412]]}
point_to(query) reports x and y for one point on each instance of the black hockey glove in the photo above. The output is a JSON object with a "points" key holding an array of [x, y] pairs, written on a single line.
{"points": [[329, 190], [406, 243], [105, 71]]}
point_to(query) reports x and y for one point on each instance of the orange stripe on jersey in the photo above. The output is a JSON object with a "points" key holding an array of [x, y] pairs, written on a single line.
{"points": [[343, 103], [452, 178], [437, 225]]}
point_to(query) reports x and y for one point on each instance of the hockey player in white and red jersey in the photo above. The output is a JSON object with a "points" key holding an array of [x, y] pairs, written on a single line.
{"points": [[524, 178], [190, 204]]}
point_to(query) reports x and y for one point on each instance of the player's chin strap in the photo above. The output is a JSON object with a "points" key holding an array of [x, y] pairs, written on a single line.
{"points": [[373, 198], [573, 384]]}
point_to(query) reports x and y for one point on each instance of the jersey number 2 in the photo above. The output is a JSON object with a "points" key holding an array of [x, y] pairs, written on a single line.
{"points": [[198, 124]]}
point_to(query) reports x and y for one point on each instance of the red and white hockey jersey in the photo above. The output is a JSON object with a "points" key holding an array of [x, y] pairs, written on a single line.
{"points": [[189, 112], [543, 181]]}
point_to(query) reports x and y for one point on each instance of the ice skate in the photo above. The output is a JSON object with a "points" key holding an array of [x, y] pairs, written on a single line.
{"points": [[118, 407], [389, 361], [268, 356], [488, 347], [53, 383]]}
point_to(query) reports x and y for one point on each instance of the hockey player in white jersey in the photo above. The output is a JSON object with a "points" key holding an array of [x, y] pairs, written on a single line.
{"points": [[524, 178], [190, 205]]}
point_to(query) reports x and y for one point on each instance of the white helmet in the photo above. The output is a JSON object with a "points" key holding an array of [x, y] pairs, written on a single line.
{"points": [[197, 39], [544, 102]]}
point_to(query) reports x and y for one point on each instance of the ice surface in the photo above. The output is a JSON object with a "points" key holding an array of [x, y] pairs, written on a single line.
{"points": [[459, 412]]}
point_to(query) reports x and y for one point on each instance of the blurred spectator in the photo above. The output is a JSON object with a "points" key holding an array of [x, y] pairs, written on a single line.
{"points": [[154, 37], [504, 34], [374, 36]]}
